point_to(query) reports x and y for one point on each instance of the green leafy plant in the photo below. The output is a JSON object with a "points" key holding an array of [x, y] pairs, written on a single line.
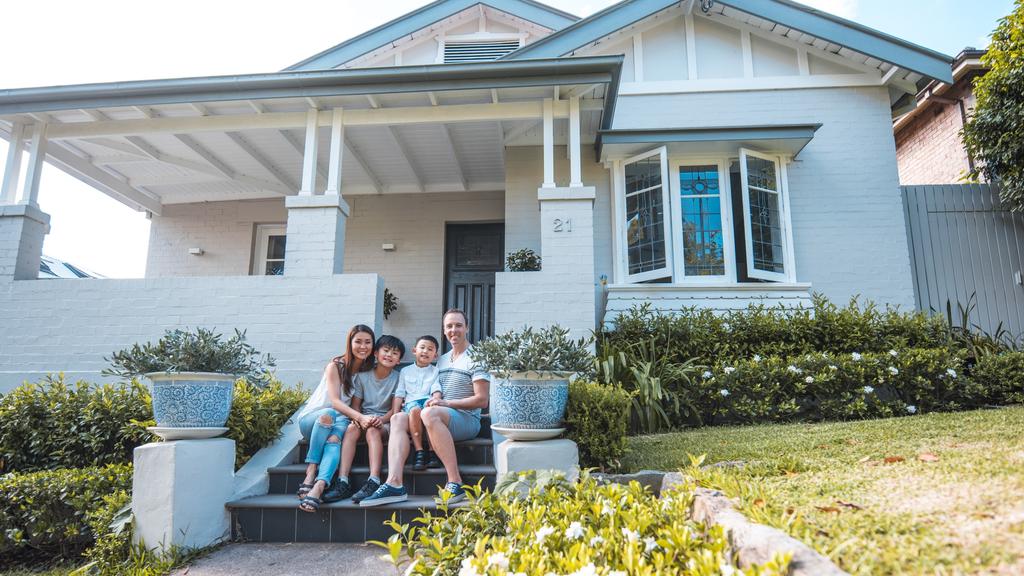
{"points": [[522, 260], [597, 418], [390, 303], [199, 350], [972, 337], [1000, 378], [51, 424], [528, 350], [47, 511], [562, 527], [257, 414]]}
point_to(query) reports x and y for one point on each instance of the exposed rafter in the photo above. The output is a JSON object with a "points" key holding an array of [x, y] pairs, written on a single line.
{"points": [[512, 135], [397, 139], [239, 139], [453, 153]]}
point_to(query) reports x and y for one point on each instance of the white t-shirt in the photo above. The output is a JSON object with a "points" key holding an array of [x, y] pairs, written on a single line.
{"points": [[456, 378], [415, 383]]}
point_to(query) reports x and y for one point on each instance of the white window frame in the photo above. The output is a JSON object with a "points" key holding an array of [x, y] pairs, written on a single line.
{"points": [[668, 270], [263, 234], [725, 193], [787, 237]]}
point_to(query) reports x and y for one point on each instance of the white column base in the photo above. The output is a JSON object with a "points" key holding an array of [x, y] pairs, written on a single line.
{"points": [[512, 457], [179, 490], [22, 230]]}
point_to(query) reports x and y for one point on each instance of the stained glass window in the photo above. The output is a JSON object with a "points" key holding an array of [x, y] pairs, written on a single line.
{"points": [[764, 218], [701, 209], [645, 216]]}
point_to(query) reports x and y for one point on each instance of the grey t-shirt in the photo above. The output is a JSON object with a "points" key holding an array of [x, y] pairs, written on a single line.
{"points": [[376, 394]]}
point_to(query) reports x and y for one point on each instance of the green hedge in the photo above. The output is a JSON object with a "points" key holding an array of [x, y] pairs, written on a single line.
{"points": [[48, 511], [51, 424], [827, 386], [1001, 377], [708, 337], [598, 418]]}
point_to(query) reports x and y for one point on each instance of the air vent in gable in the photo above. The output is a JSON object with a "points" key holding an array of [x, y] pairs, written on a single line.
{"points": [[477, 51]]}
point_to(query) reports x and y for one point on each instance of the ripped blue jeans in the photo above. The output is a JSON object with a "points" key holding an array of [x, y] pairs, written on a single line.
{"points": [[325, 454]]}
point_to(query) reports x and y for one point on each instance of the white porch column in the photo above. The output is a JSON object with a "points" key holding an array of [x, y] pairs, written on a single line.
{"points": [[316, 235], [337, 150], [30, 192], [575, 163], [309, 154], [12, 169], [549, 144]]}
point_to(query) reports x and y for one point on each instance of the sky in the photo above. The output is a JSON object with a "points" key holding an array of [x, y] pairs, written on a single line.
{"points": [[60, 42]]}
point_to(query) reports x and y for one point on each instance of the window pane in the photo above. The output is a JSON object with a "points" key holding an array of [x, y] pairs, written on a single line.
{"points": [[643, 174], [761, 173], [766, 230], [645, 231], [701, 203], [275, 248], [275, 268]]}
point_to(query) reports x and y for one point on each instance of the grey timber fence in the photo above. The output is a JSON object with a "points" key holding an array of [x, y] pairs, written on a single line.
{"points": [[967, 250]]}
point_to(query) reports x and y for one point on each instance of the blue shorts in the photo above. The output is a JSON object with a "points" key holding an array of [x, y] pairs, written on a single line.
{"points": [[463, 426], [418, 403]]}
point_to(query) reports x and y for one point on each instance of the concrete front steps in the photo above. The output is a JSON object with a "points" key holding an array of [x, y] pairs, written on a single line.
{"points": [[275, 517]]}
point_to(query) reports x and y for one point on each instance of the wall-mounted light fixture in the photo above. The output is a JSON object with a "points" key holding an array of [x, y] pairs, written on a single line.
{"points": [[387, 247], [196, 251]]}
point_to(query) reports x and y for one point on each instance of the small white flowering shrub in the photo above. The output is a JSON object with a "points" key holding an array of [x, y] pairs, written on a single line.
{"points": [[569, 529]]}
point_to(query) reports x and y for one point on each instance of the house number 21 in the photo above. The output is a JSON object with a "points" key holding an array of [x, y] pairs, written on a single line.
{"points": [[563, 225]]}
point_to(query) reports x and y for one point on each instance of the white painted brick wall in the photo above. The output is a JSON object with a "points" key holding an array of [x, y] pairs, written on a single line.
{"points": [[22, 229], [71, 324]]}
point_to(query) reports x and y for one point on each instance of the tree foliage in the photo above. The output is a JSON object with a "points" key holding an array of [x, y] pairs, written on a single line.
{"points": [[994, 135]]}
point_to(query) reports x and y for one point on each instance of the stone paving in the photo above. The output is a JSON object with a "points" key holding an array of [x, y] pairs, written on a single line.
{"points": [[292, 559]]}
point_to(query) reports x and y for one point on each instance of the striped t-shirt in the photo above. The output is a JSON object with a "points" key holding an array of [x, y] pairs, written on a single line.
{"points": [[456, 378]]}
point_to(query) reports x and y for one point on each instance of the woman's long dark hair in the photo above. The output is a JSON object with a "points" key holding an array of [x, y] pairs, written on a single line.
{"points": [[349, 363]]}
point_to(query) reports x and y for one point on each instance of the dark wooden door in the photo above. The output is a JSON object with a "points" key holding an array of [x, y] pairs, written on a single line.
{"points": [[473, 253]]}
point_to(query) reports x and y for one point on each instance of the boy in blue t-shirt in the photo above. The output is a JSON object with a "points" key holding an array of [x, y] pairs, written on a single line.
{"points": [[416, 383]]}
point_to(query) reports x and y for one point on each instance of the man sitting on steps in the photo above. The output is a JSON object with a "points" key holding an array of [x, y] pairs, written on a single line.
{"points": [[454, 417]]}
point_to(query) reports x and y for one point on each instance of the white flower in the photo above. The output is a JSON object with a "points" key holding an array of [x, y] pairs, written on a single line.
{"points": [[809, 379], [856, 356], [951, 373], [498, 559], [596, 540], [911, 409], [832, 367], [617, 573], [893, 353], [606, 510], [868, 389], [650, 544], [467, 568], [588, 570], [757, 357], [707, 374], [723, 392], [543, 533], [893, 370], [630, 535], [727, 569], [729, 369], [793, 369], [574, 531]]}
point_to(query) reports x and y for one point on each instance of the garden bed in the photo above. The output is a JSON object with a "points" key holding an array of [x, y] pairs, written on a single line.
{"points": [[938, 493]]}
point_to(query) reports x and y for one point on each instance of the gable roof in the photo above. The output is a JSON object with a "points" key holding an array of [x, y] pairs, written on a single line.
{"points": [[406, 24], [817, 23]]}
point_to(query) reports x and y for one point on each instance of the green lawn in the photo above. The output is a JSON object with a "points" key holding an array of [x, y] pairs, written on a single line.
{"points": [[932, 494]]}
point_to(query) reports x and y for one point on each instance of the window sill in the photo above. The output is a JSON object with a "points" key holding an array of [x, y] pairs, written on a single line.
{"points": [[724, 287]]}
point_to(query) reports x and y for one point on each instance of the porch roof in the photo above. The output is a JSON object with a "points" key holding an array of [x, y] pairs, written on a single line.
{"points": [[789, 139], [436, 128]]}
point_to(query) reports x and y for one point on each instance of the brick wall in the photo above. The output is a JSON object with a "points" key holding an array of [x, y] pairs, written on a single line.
{"points": [[929, 149]]}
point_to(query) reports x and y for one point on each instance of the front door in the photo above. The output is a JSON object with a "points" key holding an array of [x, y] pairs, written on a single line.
{"points": [[473, 253]]}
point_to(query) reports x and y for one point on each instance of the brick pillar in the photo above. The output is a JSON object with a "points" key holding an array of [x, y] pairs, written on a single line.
{"points": [[22, 229], [316, 235]]}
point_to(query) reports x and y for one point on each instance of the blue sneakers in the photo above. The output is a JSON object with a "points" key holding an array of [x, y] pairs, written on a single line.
{"points": [[386, 494], [453, 492]]}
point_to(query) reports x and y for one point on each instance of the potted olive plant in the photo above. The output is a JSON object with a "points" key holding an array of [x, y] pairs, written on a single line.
{"points": [[193, 374], [531, 370]]}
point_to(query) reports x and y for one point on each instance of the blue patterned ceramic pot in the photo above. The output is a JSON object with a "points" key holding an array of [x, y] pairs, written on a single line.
{"points": [[191, 399], [529, 400]]}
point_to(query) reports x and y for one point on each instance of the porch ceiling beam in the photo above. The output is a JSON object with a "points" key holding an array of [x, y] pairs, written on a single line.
{"points": [[260, 109], [453, 153], [253, 152], [433, 98], [293, 120], [351, 150], [404, 150], [512, 135], [94, 176]]}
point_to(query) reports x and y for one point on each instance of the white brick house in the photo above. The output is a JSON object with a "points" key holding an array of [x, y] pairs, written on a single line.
{"points": [[707, 153]]}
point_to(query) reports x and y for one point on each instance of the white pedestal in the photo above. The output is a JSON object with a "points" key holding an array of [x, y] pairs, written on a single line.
{"points": [[562, 455], [179, 491]]}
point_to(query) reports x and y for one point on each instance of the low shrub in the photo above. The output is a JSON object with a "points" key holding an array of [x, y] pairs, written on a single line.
{"points": [[579, 528], [598, 418], [48, 511], [707, 337], [1000, 378], [52, 424], [827, 386]]}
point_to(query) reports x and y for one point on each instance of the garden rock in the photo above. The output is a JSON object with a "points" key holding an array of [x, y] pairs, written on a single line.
{"points": [[651, 479]]}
